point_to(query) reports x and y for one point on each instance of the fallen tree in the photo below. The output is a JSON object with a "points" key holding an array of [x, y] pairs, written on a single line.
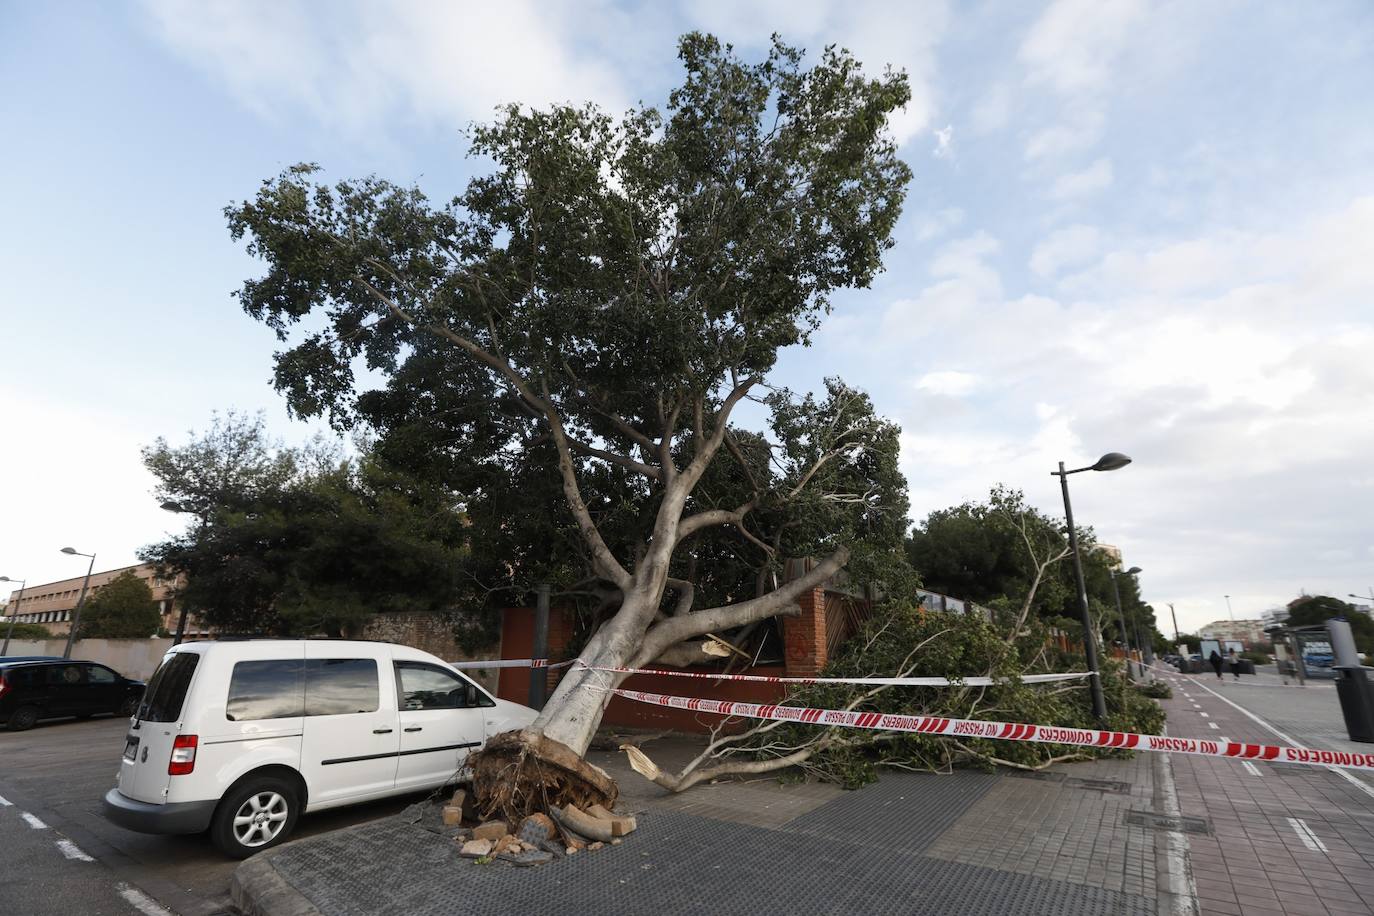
{"points": [[911, 642], [905, 640], [565, 346]]}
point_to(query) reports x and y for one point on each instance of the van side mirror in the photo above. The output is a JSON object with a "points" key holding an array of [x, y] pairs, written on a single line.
{"points": [[470, 695]]}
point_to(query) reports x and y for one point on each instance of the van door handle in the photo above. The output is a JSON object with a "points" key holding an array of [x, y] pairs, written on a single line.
{"points": [[414, 728], [381, 731]]}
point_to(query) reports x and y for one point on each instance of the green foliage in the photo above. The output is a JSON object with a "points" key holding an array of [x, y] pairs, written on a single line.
{"points": [[25, 631], [1155, 689], [123, 608], [989, 552], [318, 544], [953, 646], [1318, 609], [622, 276]]}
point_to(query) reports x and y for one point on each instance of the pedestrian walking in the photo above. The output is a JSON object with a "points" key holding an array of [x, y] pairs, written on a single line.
{"points": [[1234, 661], [1215, 659]]}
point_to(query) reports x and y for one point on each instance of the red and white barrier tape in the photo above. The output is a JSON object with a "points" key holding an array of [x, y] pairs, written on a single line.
{"points": [[1008, 731], [976, 681], [512, 663]]}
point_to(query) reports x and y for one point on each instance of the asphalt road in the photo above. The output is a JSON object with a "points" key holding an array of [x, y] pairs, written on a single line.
{"points": [[57, 773]]}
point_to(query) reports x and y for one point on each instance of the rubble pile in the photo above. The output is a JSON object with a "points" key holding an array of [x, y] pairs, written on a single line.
{"points": [[538, 838]]}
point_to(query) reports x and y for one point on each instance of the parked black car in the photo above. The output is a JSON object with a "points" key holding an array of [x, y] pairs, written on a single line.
{"points": [[49, 689]]}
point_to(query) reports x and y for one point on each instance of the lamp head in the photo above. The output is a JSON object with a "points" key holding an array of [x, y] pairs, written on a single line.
{"points": [[171, 505], [1133, 570], [1111, 461], [69, 550]]}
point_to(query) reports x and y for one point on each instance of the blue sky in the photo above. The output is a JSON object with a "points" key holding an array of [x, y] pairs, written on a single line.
{"points": [[1134, 226]]}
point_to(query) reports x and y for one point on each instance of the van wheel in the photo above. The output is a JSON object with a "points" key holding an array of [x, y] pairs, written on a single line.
{"points": [[23, 718], [254, 816]]}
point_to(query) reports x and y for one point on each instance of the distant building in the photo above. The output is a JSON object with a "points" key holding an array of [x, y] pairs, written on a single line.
{"points": [[1112, 551], [1247, 631], [51, 604]]}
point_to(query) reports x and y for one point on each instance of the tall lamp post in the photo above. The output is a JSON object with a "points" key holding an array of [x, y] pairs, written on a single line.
{"points": [[1229, 613], [1109, 462], [172, 505], [9, 631], [1121, 616], [80, 601]]}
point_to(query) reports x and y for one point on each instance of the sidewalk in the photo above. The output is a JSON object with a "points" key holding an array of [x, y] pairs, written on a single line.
{"points": [[1286, 838], [1078, 840]]}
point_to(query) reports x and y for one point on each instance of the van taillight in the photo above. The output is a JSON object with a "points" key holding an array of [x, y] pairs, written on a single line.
{"points": [[183, 755]]}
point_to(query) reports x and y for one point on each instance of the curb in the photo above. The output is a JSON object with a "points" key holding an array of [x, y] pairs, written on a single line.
{"points": [[258, 889]]}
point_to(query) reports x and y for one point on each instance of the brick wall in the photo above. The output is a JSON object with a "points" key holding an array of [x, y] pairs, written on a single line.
{"points": [[517, 641], [804, 636]]}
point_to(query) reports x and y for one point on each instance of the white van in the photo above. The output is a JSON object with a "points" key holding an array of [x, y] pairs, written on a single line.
{"points": [[242, 736]]}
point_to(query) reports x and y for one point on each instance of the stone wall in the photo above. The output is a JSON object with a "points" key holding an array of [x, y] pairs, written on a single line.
{"points": [[430, 632]]}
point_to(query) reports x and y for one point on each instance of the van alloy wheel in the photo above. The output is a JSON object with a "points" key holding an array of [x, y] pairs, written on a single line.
{"points": [[260, 818]]}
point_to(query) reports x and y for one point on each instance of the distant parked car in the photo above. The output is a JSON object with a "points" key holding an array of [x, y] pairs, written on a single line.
{"points": [[49, 688], [241, 736]]}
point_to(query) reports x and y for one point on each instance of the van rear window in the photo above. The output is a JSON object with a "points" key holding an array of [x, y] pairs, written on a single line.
{"points": [[266, 690], [166, 692]]}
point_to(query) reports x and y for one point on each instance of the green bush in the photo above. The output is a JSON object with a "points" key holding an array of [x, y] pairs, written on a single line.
{"points": [[1156, 689], [25, 631], [955, 646]]}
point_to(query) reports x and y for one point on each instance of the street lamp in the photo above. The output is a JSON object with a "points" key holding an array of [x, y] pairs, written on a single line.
{"points": [[10, 630], [171, 505], [1121, 616], [80, 601], [1230, 613], [1108, 462]]}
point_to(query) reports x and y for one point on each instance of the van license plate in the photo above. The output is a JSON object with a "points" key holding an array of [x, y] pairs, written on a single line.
{"points": [[130, 747]]}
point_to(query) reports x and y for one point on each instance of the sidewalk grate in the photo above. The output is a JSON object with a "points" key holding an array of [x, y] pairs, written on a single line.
{"points": [[901, 811], [1175, 822], [674, 865]]}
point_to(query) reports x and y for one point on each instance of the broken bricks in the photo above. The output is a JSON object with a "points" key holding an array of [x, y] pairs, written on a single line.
{"points": [[491, 830]]}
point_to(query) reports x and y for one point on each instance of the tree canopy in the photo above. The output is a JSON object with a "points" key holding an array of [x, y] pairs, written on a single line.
{"points": [[123, 608], [1318, 609], [991, 552], [564, 344], [301, 540]]}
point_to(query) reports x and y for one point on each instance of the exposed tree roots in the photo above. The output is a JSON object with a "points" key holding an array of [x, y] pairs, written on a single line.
{"points": [[523, 773]]}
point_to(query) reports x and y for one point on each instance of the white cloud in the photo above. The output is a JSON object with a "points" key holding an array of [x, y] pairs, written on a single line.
{"points": [[1074, 43], [944, 140], [1072, 51], [1068, 247], [359, 63], [1233, 366], [949, 383], [1075, 132], [938, 223], [1096, 177]]}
